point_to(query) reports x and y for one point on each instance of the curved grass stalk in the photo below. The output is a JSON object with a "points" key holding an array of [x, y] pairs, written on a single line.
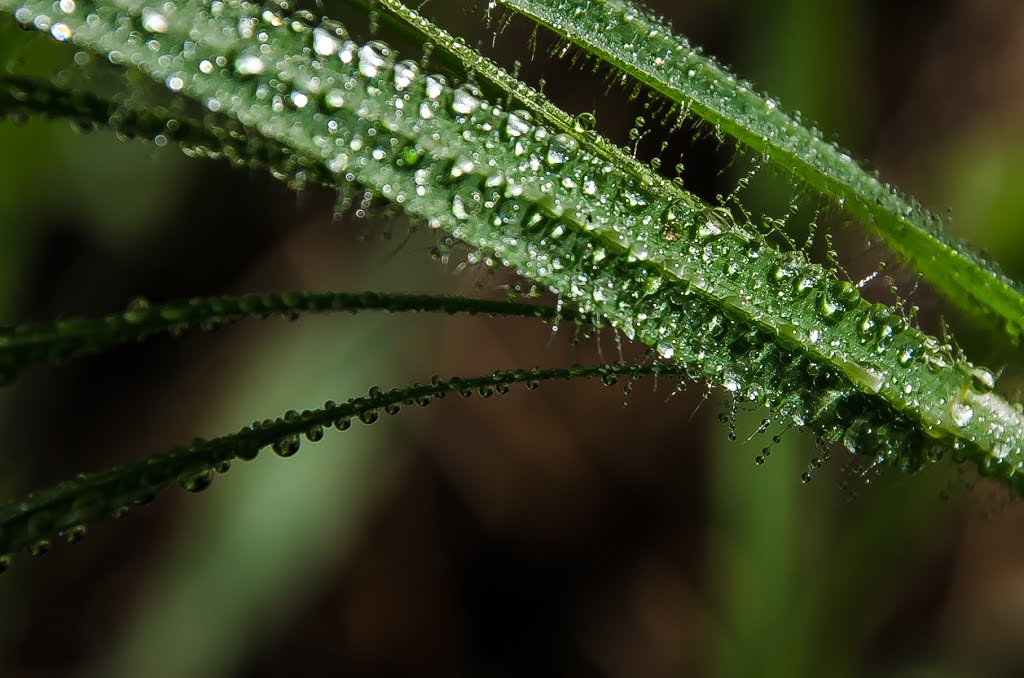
{"points": [[63, 511], [40, 343], [204, 135], [637, 43], [665, 268]]}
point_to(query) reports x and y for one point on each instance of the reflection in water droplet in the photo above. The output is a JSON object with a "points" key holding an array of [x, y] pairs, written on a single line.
{"points": [[962, 413], [585, 122], [982, 380]]}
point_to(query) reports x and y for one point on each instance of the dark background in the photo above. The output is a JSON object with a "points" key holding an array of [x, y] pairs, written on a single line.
{"points": [[569, 531]]}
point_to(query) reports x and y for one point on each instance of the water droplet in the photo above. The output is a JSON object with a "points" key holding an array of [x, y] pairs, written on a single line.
{"points": [[459, 208], [137, 311], [982, 380], [404, 74], [434, 86], [961, 412], [272, 19], [315, 434], [250, 63], [328, 38], [559, 149], [518, 124], [154, 22], [74, 534], [585, 122], [287, 446], [198, 482], [61, 31], [374, 58], [465, 100]]}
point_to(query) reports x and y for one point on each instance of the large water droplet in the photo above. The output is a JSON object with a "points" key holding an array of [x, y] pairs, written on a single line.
{"points": [[585, 122], [961, 412], [374, 58], [465, 100], [518, 124], [559, 150], [324, 43], [250, 63], [404, 74], [982, 380], [154, 22]]}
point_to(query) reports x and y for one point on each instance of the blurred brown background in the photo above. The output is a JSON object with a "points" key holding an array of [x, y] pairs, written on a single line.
{"points": [[569, 531]]}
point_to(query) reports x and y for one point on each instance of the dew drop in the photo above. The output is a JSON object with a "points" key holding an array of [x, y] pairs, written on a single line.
{"points": [[517, 124], [559, 149], [154, 22], [198, 482], [249, 63], [404, 74], [982, 380], [465, 100], [74, 534], [459, 208], [374, 58], [138, 311], [287, 446], [434, 86], [328, 37], [585, 122], [961, 412], [61, 31]]}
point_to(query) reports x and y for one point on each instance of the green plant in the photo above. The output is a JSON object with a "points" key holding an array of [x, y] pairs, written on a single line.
{"points": [[536, 190]]}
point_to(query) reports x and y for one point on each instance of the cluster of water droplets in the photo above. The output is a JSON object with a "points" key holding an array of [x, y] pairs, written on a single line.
{"points": [[681, 276], [639, 42]]}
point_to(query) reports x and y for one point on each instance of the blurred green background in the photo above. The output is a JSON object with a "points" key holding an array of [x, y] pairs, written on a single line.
{"points": [[570, 531]]}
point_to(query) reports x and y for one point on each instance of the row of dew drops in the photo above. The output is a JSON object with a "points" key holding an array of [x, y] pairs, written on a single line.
{"points": [[85, 506]]}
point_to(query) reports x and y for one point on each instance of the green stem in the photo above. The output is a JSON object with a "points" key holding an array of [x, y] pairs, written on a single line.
{"points": [[30, 522], [52, 343]]}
